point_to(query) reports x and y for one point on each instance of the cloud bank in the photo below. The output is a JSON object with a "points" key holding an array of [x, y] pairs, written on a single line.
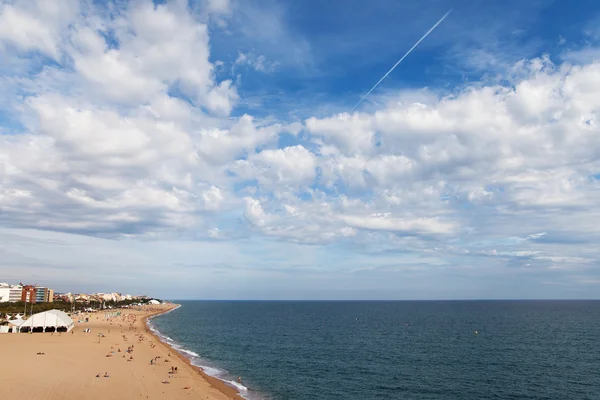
{"points": [[116, 124]]}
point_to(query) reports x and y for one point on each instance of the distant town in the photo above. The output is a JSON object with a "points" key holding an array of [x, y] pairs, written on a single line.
{"points": [[35, 308], [34, 294]]}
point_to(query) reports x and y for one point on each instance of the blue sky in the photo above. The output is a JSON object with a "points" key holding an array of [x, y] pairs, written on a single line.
{"points": [[208, 149]]}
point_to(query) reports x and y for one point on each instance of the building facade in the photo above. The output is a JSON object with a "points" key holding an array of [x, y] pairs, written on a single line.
{"points": [[28, 294], [50, 295], [40, 294], [16, 292], [4, 292], [10, 293]]}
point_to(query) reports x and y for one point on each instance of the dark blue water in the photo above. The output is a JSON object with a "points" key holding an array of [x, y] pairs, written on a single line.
{"points": [[397, 350]]}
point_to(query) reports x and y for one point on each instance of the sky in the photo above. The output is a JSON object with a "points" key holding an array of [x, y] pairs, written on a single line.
{"points": [[208, 149]]}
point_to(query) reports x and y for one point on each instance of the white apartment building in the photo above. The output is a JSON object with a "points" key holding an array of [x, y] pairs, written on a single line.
{"points": [[4, 292], [10, 293], [16, 291]]}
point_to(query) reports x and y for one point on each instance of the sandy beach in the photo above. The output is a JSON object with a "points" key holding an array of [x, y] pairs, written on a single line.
{"points": [[70, 363]]}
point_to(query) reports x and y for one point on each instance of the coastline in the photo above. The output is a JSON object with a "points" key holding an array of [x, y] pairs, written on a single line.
{"points": [[108, 354], [218, 384]]}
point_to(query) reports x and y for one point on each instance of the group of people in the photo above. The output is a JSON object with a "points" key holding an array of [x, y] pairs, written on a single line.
{"points": [[131, 319]]}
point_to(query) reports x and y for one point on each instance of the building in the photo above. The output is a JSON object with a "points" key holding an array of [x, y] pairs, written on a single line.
{"points": [[4, 292], [40, 294], [16, 292], [29, 294], [81, 298], [66, 297], [44, 295], [50, 296], [109, 296]]}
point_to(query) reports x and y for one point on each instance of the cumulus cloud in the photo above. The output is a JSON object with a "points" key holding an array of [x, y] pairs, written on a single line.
{"points": [[128, 131], [160, 48], [37, 25], [220, 146], [292, 166], [115, 148]]}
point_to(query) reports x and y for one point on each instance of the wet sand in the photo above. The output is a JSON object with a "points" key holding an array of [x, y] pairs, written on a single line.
{"points": [[71, 361]]}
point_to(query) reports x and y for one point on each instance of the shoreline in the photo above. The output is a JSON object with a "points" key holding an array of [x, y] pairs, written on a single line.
{"points": [[218, 384], [109, 354]]}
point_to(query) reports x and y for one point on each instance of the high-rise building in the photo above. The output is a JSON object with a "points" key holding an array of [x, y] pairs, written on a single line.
{"points": [[4, 292], [40, 294], [28, 294], [50, 296], [16, 292], [31, 294]]}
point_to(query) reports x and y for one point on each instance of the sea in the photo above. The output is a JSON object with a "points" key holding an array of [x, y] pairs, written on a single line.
{"points": [[414, 350]]}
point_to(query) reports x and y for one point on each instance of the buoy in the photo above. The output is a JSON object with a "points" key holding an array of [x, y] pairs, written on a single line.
{"points": [[477, 333]]}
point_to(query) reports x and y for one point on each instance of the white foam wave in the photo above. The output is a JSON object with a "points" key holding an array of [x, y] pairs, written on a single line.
{"points": [[195, 357], [240, 388], [191, 353], [216, 372]]}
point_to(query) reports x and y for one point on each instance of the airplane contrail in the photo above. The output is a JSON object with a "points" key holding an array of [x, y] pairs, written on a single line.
{"points": [[403, 57]]}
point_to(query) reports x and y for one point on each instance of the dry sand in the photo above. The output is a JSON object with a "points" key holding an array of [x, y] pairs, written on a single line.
{"points": [[71, 361]]}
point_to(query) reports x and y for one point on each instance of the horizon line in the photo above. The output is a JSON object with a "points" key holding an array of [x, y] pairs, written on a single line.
{"points": [[379, 300]]}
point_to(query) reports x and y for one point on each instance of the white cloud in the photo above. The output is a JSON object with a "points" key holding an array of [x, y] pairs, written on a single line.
{"points": [[220, 146], [134, 135], [259, 63], [219, 6], [351, 134], [159, 48], [385, 222], [254, 212], [37, 25], [291, 166]]}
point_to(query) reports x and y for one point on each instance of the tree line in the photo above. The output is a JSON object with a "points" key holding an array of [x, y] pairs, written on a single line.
{"points": [[19, 306]]}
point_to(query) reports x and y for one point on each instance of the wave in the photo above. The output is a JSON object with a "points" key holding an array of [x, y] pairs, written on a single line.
{"points": [[241, 388], [197, 361], [186, 351]]}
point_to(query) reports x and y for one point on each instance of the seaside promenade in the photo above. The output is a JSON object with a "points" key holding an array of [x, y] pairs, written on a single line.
{"points": [[73, 365]]}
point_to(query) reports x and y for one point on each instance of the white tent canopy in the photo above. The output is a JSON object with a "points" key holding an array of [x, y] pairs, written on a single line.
{"points": [[52, 320], [16, 322]]}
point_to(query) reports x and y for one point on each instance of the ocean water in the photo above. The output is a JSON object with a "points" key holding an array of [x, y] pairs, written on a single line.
{"points": [[394, 350]]}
